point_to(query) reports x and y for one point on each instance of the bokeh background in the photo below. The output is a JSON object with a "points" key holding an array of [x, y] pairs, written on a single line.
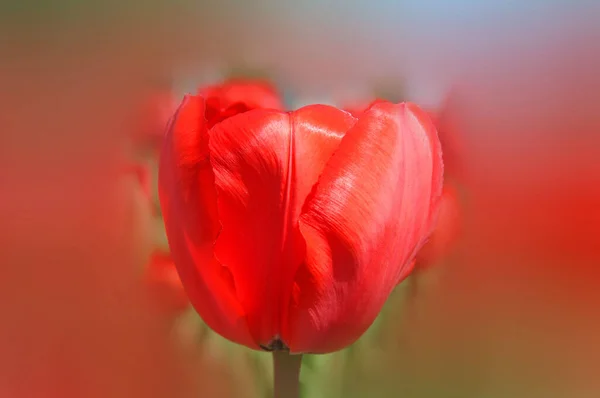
{"points": [[510, 311]]}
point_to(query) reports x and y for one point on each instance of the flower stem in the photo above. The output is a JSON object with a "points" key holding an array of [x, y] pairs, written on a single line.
{"points": [[286, 371]]}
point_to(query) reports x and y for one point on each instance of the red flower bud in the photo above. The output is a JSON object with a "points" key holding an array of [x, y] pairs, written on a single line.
{"points": [[290, 229]]}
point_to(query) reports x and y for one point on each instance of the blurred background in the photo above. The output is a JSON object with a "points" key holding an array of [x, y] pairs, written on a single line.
{"points": [[508, 309]]}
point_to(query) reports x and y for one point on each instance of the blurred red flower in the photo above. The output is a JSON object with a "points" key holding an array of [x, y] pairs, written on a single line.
{"points": [[446, 232], [291, 229], [164, 281], [223, 100], [141, 174], [154, 113], [236, 96]]}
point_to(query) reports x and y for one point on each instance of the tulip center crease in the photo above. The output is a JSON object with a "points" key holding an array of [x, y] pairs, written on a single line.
{"points": [[276, 344]]}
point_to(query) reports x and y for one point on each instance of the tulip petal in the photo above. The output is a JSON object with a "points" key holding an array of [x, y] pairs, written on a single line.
{"points": [[363, 223], [266, 163], [188, 201]]}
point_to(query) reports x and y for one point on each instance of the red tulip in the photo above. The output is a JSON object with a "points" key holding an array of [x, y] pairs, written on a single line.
{"points": [[290, 230], [237, 96]]}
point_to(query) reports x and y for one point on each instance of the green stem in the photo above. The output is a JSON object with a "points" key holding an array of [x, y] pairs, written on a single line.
{"points": [[286, 371]]}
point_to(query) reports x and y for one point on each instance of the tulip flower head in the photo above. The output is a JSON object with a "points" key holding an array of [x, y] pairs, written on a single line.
{"points": [[289, 230]]}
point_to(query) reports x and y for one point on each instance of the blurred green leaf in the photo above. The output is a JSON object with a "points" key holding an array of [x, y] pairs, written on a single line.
{"points": [[322, 375]]}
